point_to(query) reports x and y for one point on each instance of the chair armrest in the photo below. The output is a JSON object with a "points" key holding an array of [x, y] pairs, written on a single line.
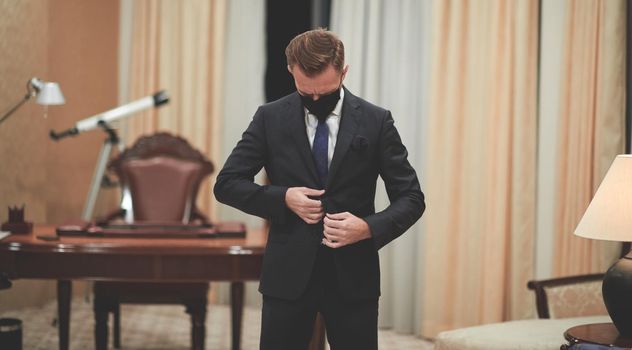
{"points": [[538, 287]]}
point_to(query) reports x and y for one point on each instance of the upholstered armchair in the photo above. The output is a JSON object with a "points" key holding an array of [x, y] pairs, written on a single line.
{"points": [[566, 297], [561, 303], [162, 173]]}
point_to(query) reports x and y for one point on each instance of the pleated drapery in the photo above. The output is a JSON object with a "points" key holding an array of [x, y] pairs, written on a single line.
{"points": [[178, 47], [387, 44], [592, 129], [480, 173]]}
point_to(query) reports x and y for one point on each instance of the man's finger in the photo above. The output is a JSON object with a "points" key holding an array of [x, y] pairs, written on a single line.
{"points": [[332, 244], [312, 205], [333, 223], [310, 210], [314, 216], [332, 237], [312, 192], [334, 231], [339, 216], [310, 221]]}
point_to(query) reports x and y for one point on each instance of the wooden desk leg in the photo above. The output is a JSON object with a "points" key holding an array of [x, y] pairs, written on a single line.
{"points": [[237, 309], [117, 325], [64, 290], [197, 310], [102, 308], [318, 338], [5, 282]]}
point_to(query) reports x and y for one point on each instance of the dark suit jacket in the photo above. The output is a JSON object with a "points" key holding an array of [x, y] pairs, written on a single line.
{"points": [[368, 145]]}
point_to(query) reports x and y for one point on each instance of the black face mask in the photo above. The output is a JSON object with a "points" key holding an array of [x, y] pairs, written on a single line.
{"points": [[322, 107]]}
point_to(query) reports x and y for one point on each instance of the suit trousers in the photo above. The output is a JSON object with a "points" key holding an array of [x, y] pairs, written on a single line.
{"points": [[289, 324]]}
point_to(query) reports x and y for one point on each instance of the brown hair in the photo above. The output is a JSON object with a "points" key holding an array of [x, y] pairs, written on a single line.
{"points": [[314, 50]]}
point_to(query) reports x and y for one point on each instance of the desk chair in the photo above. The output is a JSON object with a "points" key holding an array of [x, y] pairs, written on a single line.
{"points": [[163, 173]]}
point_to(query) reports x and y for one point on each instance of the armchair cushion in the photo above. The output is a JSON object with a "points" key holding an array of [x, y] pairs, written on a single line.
{"points": [[534, 334]]}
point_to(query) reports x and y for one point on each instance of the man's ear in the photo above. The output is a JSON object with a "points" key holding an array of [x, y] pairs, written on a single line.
{"points": [[344, 71], [289, 69]]}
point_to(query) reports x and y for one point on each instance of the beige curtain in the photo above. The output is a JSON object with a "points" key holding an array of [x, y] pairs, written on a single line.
{"points": [[178, 46], [480, 170], [591, 128]]}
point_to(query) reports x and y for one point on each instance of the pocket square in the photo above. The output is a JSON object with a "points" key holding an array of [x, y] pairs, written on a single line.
{"points": [[359, 143]]}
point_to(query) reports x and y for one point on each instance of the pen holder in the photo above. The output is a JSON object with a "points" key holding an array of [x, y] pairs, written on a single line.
{"points": [[16, 223]]}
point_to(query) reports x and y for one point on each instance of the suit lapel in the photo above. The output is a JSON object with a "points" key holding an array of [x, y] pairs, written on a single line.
{"points": [[349, 121], [295, 118]]}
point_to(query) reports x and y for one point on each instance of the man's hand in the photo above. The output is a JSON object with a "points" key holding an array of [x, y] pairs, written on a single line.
{"points": [[343, 229], [310, 210]]}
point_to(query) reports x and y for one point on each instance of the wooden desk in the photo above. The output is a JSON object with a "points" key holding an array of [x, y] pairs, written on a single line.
{"points": [[134, 259], [596, 333]]}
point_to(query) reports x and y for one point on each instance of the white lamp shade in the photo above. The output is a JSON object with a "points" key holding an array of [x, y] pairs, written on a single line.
{"points": [[609, 215], [50, 94]]}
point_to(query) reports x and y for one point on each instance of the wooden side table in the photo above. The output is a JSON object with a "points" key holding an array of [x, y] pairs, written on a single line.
{"points": [[596, 333]]}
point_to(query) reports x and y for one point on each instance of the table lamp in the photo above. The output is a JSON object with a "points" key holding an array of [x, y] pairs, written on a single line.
{"points": [[609, 217], [48, 93]]}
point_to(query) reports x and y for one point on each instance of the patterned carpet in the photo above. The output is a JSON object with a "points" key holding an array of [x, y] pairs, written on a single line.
{"points": [[162, 327]]}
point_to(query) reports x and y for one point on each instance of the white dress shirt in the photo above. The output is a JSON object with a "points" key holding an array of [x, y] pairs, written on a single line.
{"points": [[333, 123]]}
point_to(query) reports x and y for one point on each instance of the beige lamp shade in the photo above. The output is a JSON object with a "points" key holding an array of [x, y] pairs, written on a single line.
{"points": [[609, 215]]}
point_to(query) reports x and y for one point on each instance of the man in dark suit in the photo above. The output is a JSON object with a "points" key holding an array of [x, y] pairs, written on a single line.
{"points": [[323, 149]]}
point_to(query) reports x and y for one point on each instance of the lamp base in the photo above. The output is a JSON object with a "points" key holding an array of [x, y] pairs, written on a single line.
{"points": [[617, 289]]}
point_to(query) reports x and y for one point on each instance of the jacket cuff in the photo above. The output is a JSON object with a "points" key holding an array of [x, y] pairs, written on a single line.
{"points": [[278, 208], [380, 229]]}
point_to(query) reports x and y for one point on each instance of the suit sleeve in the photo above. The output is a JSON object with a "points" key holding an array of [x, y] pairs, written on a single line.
{"points": [[235, 184], [402, 186]]}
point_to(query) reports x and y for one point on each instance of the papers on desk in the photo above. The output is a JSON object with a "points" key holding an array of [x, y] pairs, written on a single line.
{"points": [[224, 229], [4, 234]]}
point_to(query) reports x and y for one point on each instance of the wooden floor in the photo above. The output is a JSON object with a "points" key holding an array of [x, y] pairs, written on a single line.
{"points": [[162, 327]]}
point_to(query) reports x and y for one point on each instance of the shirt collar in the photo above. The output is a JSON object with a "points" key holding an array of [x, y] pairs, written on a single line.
{"points": [[338, 109]]}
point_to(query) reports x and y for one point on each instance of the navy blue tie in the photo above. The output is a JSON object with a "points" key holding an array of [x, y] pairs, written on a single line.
{"points": [[320, 151]]}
